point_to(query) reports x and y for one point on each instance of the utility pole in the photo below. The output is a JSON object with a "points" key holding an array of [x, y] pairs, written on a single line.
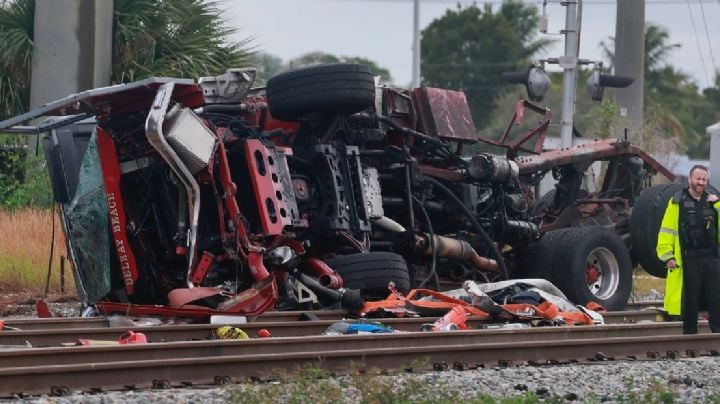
{"points": [[630, 59], [73, 45], [714, 132], [569, 63], [416, 45]]}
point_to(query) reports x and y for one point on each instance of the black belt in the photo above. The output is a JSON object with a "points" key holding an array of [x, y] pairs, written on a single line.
{"points": [[700, 252]]}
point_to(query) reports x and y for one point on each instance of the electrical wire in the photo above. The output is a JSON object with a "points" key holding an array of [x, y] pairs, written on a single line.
{"points": [[433, 248], [697, 39], [707, 33]]}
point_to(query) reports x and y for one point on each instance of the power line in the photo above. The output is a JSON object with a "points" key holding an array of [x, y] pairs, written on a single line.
{"points": [[697, 39], [712, 57]]}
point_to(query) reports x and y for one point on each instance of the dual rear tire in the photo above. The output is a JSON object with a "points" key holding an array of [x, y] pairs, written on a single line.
{"points": [[586, 263]]}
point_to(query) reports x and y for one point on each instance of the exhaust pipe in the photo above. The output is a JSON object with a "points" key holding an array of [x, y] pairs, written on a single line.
{"points": [[447, 247], [349, 298], [327, 277]]}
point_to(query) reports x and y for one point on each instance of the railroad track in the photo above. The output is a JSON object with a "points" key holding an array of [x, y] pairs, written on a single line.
{"points": [[54, 332], [60, 371], [319, 343], [283, 323], [181, 355]]}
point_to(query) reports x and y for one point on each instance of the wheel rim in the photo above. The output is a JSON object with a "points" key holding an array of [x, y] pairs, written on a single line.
{"points": [[602, 273]]}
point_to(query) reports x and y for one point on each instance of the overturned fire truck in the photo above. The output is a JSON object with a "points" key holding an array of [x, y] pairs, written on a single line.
{"points": [[321, 189]]}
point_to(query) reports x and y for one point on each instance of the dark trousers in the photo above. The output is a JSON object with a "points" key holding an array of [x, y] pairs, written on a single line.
{"points": [[701, 282]]}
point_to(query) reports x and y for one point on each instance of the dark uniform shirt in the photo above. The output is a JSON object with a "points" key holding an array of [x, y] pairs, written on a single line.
{"points": [[698, 228]]}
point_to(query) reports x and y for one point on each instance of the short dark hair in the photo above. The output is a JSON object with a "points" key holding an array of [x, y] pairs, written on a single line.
{"points": [[697, 167]]}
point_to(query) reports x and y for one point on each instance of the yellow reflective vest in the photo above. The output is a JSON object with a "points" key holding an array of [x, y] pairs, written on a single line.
{"points": [[668, 247]]}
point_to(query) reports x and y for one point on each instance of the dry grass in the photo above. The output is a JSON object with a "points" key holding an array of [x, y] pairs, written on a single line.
{"points": [[25, 237], [645, 284]]}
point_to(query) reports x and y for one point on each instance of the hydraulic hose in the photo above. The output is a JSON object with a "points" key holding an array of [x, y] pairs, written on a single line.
{"points": [[432, 273], [475, 223]]}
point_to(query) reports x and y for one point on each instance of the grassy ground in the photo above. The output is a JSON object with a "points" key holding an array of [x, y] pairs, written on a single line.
{"points": [[313, 385], [25, 237], [645, 285]]}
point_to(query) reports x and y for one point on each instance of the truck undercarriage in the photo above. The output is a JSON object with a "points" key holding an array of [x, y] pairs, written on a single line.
{"points": [[185, 198]]}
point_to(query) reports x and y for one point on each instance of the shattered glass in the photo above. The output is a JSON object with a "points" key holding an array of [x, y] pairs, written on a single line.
{"points": [[87, 226]]}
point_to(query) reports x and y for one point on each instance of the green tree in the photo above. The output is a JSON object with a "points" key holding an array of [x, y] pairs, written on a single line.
{"points": [[16, 49], [713, 95], [313, 58], [267, 64], [173, 38], [467, 49], [674, 103], [657, 51]]}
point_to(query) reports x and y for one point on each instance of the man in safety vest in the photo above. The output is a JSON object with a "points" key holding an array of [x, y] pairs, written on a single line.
{"points": [[688, 244]]}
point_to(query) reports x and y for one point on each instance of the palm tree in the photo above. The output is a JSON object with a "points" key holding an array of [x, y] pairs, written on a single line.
{"points": [[657, 50], [674, 106], [16, 49], [175, 38], [172, 38]]}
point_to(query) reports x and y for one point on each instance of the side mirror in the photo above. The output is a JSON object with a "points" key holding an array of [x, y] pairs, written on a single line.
{"points": [[535, 79], [597, 82]]}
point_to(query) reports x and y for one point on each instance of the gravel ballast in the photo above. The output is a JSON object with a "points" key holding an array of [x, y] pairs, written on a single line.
{"points": [[686, 380], [681, 380]]}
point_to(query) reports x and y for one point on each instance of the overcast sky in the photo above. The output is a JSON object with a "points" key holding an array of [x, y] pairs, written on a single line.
{"points": [[381, 30]]}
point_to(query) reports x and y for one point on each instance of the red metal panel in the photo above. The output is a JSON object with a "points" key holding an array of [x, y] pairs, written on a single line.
{"points": [[202, 268], [253, 301], [116, 209], [539, 129], [267, 180], [445, 114]]}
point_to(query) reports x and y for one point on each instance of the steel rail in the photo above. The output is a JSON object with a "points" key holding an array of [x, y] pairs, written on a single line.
{"points": [[643, 304], [610, 316], [107, 321], [165, 350], [613, 317], [222, 369], [43, 337]]}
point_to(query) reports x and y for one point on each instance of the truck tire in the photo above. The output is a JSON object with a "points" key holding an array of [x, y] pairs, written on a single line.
{"points": [[645, 222], [371, 272], [593, 264], [543, 203], [548, 198], [320, 90], [539, 262]]}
